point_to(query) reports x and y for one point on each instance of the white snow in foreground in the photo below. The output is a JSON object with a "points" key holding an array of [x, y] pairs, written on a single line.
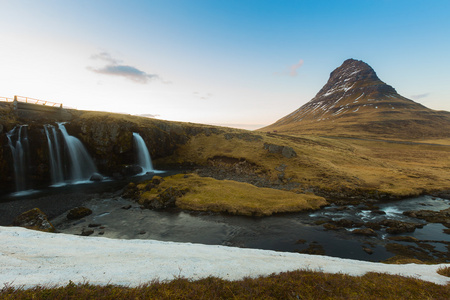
{"points": [[29, 258]]}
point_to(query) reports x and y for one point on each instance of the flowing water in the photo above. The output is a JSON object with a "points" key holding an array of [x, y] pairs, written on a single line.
{"points": [[143, 156], [18, 143], [82, 166], [287, 232], [56, 163]]}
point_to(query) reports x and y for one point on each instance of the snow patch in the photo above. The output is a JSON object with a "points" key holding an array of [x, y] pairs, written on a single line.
{"points": [[29, 258]]}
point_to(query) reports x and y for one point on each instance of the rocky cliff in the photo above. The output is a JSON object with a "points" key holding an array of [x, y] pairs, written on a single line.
{"points": [[107, 137]]}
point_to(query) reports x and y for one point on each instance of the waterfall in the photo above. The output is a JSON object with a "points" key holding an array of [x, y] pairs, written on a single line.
{"points": [[144, 160], [18, 142], [82, 166], [56, 166]]}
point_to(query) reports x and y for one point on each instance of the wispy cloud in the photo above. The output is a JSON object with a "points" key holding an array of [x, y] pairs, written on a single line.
{"points": [[115, 67], [295, 67], [420, 96], [149, 115], [203, 96], [292, 70]]}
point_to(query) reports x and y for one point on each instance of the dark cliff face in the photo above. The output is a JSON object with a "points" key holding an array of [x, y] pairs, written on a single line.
{"points": [[108, 139]]}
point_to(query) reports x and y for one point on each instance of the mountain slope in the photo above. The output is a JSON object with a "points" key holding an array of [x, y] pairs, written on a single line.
{"points": [[355, 102]]}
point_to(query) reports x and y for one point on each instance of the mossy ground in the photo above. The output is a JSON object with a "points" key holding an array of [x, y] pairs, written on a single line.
{"points": [[208, 194], [289, 285]]}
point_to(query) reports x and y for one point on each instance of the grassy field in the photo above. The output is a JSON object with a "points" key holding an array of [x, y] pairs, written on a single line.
{"points": [[289, 285], [346, 167]]}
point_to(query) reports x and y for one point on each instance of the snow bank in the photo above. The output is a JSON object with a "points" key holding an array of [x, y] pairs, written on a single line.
{"points": [[29, 258]]}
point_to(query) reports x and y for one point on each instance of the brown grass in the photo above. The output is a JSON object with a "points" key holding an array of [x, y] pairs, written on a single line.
{"points": [[358, 166], [289, 285], [208, 194], [444, 271]]}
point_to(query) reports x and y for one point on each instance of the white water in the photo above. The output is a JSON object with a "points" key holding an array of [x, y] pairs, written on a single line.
{"points": [[56, 166], [20, 152], [144, 160], [82, 166]]}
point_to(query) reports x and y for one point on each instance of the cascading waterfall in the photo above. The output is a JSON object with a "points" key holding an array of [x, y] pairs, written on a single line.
{"points": [[144, 160], [56, 165], [82, 166], [18, 142]]}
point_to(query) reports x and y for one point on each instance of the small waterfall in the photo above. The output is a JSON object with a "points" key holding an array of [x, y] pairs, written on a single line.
{"points": [[144, 160], [82, 166], [18, 142], [56, 166]]}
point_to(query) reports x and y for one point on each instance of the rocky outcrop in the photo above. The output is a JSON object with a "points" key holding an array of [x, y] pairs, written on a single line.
{"points": [[34, 219]]}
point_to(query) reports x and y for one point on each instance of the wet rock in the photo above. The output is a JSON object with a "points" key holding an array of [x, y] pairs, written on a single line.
{"points": [[329, 226], [142, 232], [131, 170], [367, 250], [126, 207], [347, 223], [431, 216], [365, 232], [101, 233], [378, 212], [34, 219], [396, 227], [87, 232], [78, 213], [96, 177], [92, 225], [403, 238], [373, 225]]}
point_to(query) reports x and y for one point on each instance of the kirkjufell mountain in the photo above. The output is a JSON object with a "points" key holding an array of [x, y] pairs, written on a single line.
{"points": [[355, 102]]}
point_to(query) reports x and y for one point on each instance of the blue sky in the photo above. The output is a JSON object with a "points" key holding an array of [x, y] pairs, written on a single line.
{"points": [[244, 63]]}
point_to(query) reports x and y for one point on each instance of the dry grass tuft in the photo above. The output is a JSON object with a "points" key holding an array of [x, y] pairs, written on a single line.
{"points": [[444, 271]]}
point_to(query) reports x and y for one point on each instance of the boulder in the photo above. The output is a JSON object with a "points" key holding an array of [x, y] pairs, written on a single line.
{"points": [[78, 213], [34, 219], [96, 177]]}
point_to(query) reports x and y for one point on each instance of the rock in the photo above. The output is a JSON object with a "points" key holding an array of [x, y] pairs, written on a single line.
{"points": [[288, 152], [78, 213], [367, 250], [96, 177], [87, 232], [34, 219], [142, 232], [372, 225], [131, 170], [365, 231], [347, 223], [378, 212], [94, 225], [395, 226], [403, 238], [126, 207], [431, 216], [329, 226]]}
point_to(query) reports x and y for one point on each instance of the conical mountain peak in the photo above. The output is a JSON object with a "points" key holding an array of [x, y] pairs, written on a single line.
{"points": [[355, 100]]}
